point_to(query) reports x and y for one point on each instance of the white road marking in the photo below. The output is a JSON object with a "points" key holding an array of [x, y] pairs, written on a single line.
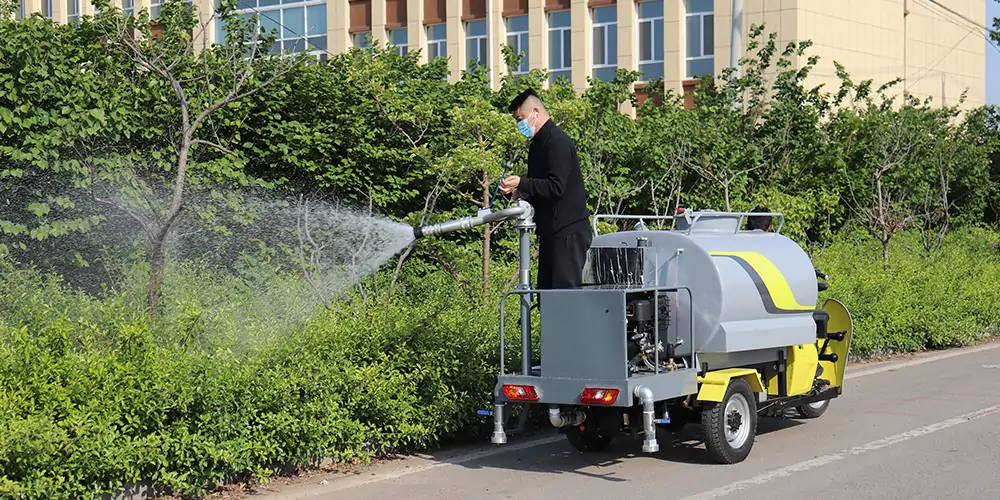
{"points": [[857, 450], [352, 482], [935, 357]]}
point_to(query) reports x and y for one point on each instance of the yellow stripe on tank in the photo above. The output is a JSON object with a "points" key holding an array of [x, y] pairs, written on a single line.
{"points": [[772, 285]]}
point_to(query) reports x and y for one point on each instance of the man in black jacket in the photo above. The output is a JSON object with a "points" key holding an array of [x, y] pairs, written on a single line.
{"points": [[554, 187]]}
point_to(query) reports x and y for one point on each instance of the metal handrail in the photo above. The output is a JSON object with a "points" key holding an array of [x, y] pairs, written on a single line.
{"points": [[633, 217], [694, 220]]}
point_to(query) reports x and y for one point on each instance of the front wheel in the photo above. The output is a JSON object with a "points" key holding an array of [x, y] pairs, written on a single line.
{"points": [[731, 424]]}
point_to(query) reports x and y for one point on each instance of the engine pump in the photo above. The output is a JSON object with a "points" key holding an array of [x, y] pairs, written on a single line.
{"points": [[640, 325]]}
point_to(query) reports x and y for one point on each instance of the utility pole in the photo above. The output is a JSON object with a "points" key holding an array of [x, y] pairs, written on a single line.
{"points": [[736, 38]]}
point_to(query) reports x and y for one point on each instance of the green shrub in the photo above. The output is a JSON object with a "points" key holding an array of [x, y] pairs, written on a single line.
{"points": [[93, 398], [942, 299]]}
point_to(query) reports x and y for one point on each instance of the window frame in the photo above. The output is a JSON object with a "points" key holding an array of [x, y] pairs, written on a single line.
{"points": [[521, 37], [400, 48], [702, 55], [480, 42], [606, 27], [73, 11], [654, 22], [308, 39], [442, 43], [565, 36]]}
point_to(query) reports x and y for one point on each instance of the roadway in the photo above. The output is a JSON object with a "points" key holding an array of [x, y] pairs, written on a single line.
{"points": [[922, 428]]}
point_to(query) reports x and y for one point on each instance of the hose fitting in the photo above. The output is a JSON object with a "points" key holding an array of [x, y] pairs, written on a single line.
{"points": [[649, 444], [559, 419]]}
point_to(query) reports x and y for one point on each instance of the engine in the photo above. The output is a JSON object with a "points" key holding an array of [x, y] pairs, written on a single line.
{"points": [[640, 326]]}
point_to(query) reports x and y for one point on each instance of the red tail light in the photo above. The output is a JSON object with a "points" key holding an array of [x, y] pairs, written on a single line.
{"points": [[520, 392], [599, 396]]}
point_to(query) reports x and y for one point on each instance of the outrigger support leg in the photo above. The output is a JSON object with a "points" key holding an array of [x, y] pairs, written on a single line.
{"points": [[649, 444], [499, 436]]}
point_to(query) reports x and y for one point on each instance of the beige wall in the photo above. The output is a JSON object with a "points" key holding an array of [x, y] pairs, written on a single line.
{"points": [[937, 53]]}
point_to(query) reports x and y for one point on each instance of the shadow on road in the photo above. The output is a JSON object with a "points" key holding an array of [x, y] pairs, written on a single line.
{"points": [[560, 457]]}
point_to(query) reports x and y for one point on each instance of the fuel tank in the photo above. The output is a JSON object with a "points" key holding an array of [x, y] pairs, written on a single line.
{"points": [[749, 290]]}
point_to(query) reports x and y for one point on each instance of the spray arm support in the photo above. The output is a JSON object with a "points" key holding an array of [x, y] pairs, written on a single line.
{"points": [[522, 211]]}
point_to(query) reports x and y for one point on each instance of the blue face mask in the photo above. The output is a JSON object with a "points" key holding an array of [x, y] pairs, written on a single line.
{"points": [[525, 129]]}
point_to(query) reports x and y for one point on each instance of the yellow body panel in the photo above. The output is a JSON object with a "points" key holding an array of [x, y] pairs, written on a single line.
{"points": [[840, 321], [802, 361], [800, 370], [714, 384], [777, 288]]}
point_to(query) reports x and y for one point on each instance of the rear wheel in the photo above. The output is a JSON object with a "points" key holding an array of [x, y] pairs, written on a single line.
{"points": [[597, 430], [813, 410], [588, 439], [730, 425]]}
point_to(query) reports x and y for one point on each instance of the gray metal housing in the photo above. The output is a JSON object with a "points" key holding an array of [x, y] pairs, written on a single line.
{"points": [[757, 291]]}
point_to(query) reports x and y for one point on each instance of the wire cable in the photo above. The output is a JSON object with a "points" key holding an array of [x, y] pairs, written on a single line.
{"points": [[982, 30]]}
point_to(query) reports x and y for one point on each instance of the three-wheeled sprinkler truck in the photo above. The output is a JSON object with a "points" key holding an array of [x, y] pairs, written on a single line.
{"points": [[701, 323]]}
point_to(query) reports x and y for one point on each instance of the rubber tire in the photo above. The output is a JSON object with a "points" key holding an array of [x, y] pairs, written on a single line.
{"points": [[806, 411], [587, 442], [713, 422]]}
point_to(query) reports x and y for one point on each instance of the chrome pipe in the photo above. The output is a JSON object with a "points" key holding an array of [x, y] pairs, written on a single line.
{"points": [[521, 211], [649, 444]]}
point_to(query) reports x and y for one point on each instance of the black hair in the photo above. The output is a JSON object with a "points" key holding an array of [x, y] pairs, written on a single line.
{"points": [[519, 100], [761, 222]]}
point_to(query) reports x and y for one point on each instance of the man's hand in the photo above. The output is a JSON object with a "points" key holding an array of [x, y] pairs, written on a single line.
{"points": [[508, 184]]}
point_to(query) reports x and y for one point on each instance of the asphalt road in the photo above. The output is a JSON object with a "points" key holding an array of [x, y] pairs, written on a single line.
{"points": [[927, 428]]}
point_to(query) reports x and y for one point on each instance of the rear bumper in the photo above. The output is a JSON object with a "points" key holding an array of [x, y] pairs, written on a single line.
{"points": [[567, 391]]}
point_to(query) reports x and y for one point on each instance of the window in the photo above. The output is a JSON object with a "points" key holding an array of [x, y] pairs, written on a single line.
{"points": [[47, 9], [155, 5], [362, 40], [20, 10], [299, 26], [128, 7], [72, 11], [397, 38], [700, 38], [437, 41], [476, 50], [517, 39], [651, 39], [560, 37], [605, 42]]}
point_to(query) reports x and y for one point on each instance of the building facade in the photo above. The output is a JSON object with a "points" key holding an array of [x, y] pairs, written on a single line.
{"points": [[936, 46]]}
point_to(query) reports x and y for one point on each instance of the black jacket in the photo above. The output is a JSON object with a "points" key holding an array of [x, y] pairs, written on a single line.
{"points": [[554, 184]]}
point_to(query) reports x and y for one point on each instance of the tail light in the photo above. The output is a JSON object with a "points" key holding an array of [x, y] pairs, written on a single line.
{"points": [[520, 392], [599, 396]]}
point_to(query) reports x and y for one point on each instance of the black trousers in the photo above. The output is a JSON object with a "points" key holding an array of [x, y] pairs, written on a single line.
{"points": [[561, 259]]}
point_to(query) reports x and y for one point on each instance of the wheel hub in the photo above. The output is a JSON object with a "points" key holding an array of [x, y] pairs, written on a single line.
{"points": [[734, 420], [736, 414]]}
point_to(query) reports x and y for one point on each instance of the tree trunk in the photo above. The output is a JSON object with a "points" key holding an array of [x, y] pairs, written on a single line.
{"points": [[157, 263], [885, 251], [487, 232]]}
